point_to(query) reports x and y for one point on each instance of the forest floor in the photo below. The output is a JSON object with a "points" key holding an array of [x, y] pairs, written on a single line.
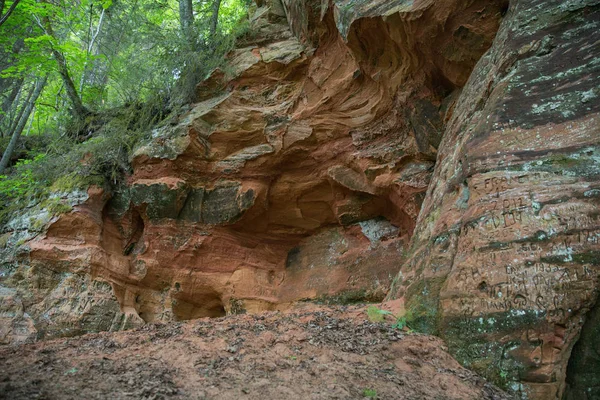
{"points": [[311, 352]]}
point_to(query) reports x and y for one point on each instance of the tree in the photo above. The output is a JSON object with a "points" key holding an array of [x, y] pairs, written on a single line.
{"points": [[214, 18], [8, 102], [93, 35], [80, 111], [21, 121], [186, 18]]}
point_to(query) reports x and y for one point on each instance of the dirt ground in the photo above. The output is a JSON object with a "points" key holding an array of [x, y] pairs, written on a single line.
{"points": [[310, 353]]}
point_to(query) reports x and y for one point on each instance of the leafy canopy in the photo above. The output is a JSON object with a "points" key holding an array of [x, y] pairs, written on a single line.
{"points": [[129, 62]]}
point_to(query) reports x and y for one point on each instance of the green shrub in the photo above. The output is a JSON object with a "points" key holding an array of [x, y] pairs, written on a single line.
{"points": [[401, 321], [376, 315], [370, 393]]}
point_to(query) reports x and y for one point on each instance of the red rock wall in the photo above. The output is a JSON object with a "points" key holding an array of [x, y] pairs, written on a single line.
{"points": [[299, 174], [302, 172], [504, 259]]}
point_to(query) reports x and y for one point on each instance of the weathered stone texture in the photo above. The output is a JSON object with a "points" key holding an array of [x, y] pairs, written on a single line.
{"points": [[504, 259], [299, 174], [345, 141]]}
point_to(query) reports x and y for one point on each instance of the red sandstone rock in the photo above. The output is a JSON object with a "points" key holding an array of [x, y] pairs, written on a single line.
{"points": [[504, 259], [301, 173], [298, 176]]}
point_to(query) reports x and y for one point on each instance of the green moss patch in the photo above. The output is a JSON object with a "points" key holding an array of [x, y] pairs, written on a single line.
{"points": [[479, 343], [422, 301]]}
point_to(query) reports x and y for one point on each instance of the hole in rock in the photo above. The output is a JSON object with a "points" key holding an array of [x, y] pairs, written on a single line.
{"points": [[583, 370], [504, 8], [122, 229], [482, 286], [204, 303], [136, 232], [148, 305]]}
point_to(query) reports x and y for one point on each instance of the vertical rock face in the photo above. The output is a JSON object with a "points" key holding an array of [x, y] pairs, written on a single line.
{"points": [[299, 174], [306, 171], [505, 258]]}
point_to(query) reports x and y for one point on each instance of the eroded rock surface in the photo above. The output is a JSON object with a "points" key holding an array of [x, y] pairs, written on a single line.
{"points": [[298, 175], [505, 256], [457, 142]]}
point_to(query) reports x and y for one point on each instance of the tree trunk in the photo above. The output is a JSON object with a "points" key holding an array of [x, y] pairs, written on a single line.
{"points": [[86, 71], [79, 110], [214, 19], [7, 103], [186, 19], [31, 121], [4, 17], [8, 83], [24, 116], [12, 124]]}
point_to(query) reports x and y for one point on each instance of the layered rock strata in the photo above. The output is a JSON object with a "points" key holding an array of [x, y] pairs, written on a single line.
{"points": [[306, 171], [298, 175], [504, 262]]}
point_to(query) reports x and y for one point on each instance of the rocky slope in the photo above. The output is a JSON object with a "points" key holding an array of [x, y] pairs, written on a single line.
{"points": [[306, 354], [453, 141]]}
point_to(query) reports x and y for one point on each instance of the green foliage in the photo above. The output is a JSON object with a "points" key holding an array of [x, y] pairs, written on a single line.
{"points": [[370, 393], [131, 66], [401, 321], [18, 189], [377, 315], [196, 65], [20, 183], [69, 165], [117, 52]]}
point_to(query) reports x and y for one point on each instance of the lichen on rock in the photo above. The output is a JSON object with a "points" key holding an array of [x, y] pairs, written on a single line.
{"points": [[453, 145]]}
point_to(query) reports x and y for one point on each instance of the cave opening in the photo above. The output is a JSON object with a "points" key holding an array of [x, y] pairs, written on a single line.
{"points": [[204, 303], [136, 232]]}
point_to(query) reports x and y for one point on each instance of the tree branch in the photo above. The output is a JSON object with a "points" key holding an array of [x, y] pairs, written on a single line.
{"points": [[10, 10]]}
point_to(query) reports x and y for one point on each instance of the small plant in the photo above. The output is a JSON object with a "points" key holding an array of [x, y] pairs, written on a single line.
{"points": [[370, 393], [400, 323], [236, 306], [377, 315]]}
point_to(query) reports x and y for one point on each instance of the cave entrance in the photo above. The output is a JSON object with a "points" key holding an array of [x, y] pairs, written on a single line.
{"points": [[136, 230], [204, 303], [583, 370]]}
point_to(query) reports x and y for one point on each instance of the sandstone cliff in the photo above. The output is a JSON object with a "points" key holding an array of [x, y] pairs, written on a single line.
{"points": [[453, 141], [504, 259]]}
